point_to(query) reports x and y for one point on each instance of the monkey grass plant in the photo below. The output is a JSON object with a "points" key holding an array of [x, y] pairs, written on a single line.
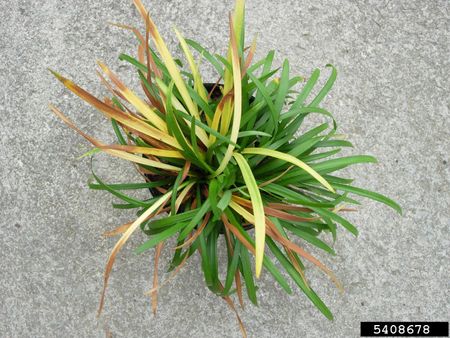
{"points": [[223, 160]]}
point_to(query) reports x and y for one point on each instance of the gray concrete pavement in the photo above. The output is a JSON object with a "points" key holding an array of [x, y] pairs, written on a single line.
{"points": [[391, 98]]}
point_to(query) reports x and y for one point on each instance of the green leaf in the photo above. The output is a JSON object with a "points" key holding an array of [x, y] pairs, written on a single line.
{"points": [[93, 151], [266, 261], [207, 55], [275, 164], [174, 196], [346, 224], [167, 222], [118, 194], [334, 143], [290, 196], [174, 127], [205, 207], [130, 186], [267, 62], [233, 262], [306, 90], [332, 165], [283, 89], [319, 156], [267, 99], [211, 244], [157, 238], [298, 279], [246, 270], [207, 128], [212, 195], [133, 61], [308, 237], [119, 135], [253, 133], [206, 267], [369, 194], [224, 201], [326, 88], [201, 103]]}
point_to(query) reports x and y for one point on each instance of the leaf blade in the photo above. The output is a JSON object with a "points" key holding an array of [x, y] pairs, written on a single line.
{"points": [[291, 159], [258, 210]]}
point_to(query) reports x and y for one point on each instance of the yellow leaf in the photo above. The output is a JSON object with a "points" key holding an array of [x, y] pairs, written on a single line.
{"points": [[145, 150], [237, 102], [127, 120], [291, 159], [172, 67], [112, 257], [141, 160], [182, 195], [239, 21], [117, 153], [178, 106], [237, 34], [250, 55], [198, 82], [131, 97], [258, 210]]}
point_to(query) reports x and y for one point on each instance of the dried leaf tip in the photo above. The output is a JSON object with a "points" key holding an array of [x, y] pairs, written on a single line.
{"points": [[56, 74]]}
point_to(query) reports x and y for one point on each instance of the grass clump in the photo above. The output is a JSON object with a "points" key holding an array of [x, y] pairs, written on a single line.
{"points": [[222, 159]]}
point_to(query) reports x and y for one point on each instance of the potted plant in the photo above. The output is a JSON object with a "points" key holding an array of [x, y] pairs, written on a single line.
{"points": [[224, 159]]}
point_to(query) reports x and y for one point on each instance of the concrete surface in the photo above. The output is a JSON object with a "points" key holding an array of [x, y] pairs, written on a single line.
{"points": [[391, 98]]}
